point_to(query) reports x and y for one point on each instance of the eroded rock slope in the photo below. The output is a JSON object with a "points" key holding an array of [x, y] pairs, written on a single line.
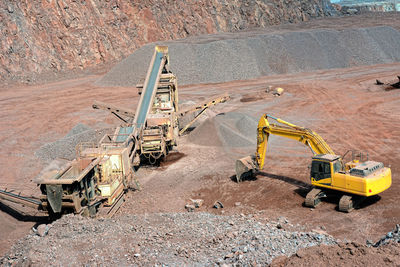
{"points": [[47, 36]]}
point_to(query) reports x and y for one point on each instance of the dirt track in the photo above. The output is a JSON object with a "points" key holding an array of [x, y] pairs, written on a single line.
{"points": [[343, 106]]}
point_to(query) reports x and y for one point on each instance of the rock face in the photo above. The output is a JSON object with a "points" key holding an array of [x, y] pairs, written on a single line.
{"points": [[45, 36]]}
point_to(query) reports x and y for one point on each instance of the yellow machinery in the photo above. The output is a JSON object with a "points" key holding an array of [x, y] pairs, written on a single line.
{"points": [[356, 179], [97, 178]]}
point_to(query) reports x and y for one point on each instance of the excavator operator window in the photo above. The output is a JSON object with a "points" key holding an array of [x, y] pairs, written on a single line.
{"points": [[337, 166], [320, 170]]}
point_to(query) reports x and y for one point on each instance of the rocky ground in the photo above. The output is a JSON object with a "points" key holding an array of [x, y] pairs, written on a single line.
{"points": [[173, 239], [384, 252], [344, 254]]}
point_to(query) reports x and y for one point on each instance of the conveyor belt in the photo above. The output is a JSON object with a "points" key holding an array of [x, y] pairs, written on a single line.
{"points": [[123, 133], [149, 89], [147, 96]]}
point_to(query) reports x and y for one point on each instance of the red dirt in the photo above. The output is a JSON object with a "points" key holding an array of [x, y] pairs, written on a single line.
{"points": [[343, 106], [171, 158], [349, 254]]}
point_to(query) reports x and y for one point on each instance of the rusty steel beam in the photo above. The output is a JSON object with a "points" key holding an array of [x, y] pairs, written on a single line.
{"points": [[201, 108], [205, 104], [114, 109]]}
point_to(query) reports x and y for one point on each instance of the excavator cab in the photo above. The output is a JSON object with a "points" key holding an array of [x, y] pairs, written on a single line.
{"points": [[324, 166], [320, 170]]}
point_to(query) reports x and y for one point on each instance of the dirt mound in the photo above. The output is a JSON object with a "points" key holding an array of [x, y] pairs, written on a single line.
{"points": [[231, 129], [247, 55], [392, 236], [348, 254], [177, 239]]}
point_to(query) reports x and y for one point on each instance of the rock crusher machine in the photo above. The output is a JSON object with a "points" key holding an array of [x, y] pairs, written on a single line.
{"points": [[96, 180]]}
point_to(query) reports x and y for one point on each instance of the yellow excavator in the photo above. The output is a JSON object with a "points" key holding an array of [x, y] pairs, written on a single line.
{"points": [[355, 181]]}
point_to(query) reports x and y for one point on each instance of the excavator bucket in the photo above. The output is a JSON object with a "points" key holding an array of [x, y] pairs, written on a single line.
{"points": [[245, 168]]}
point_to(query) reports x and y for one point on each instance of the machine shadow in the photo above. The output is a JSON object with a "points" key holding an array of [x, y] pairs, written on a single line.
{"points": [[302, 187], [20, 216], [369, 201]]}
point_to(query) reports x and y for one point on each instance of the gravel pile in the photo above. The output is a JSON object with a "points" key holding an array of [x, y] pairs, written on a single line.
{"points": [[247, 55], [65, 147], [176, 239], [231, 129]]}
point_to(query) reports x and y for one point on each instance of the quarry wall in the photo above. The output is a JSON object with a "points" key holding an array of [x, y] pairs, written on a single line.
{"points": [[52, 36]]}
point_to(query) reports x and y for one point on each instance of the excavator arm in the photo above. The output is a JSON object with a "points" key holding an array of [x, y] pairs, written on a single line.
{"points": [[248, 165]]}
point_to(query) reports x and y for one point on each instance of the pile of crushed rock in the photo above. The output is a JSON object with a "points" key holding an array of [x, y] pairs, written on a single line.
{"points": [[65, 148], [230, 129], [173, 239], [247, 55]]}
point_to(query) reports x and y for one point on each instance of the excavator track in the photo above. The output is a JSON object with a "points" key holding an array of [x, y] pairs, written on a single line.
{"points": [[313, 198], [348, 203]]}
